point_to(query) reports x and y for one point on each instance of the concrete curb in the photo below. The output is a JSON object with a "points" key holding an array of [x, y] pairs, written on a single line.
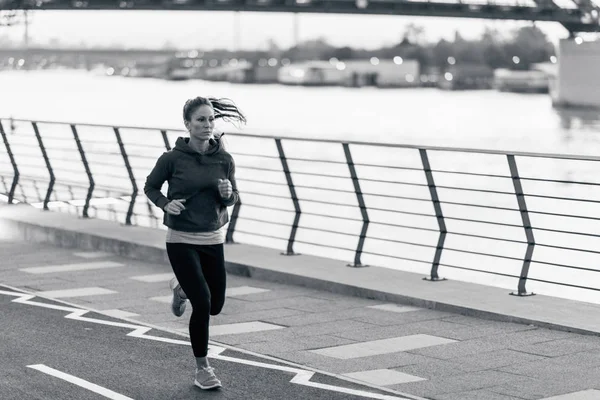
{"points": [[87, 241]]}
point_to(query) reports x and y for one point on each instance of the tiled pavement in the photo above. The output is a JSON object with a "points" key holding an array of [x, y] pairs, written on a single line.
{"points": [[422, 352]]}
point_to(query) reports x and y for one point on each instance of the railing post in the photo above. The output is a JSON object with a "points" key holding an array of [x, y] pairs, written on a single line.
{"points": [[48, 165], [165, 139], [15, 181], [131, 177], [37, 191], [514, 173], [290, 183], [439, 215], [361, 205], [234, 213], [88, 172], [151, 215]]}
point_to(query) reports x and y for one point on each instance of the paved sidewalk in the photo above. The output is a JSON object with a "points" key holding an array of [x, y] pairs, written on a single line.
{"points": [[419, 351]]}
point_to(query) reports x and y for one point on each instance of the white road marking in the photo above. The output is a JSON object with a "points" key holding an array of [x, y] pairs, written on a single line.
{"points": [[231, 292], [77, 314], [153, 278], [243, 290], [242, 327], [591, 394], [394, 308], [92, 254], [116, 313], [48, 269], [302, 376], [79, 382], [383, 346], [77, 292], [162, 299], [384, 377]]}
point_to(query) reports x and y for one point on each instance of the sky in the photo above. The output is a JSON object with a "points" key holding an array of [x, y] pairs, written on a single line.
{"points": [[209, 30]]}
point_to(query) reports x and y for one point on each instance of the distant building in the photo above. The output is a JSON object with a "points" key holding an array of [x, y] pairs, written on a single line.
{"points": [[148, 69], [536, 79], [383, 73], [311, 73], [467, 76], [243, 72], [353, 73]]}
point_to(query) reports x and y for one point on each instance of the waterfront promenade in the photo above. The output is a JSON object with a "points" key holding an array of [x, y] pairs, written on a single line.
{"points": [[391, 330]]}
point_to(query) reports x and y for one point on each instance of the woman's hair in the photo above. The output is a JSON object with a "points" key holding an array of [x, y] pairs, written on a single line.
{"points": [[224, 109]]}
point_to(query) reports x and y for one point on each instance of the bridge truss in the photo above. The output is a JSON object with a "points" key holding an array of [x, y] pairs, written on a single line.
{"points": [[575, 15]]}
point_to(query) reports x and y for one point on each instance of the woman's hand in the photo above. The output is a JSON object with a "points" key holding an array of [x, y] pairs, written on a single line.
{"points": [[225, 189], [175, 207]]}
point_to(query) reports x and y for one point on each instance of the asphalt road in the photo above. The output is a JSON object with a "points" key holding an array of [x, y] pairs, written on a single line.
{"points": [[53, 351]]}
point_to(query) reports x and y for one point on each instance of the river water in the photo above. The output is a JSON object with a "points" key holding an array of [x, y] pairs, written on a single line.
{"points": [[481, 119]]}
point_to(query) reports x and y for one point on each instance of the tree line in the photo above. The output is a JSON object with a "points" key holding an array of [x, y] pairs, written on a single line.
{"points": [[525, 46]]}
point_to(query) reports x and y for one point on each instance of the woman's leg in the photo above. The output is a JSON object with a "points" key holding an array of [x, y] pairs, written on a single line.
{"points": [[186, 264], [212, 260]]}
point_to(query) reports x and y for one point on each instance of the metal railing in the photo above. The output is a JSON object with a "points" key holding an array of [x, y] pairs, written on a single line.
{"points": [[495, 217]]}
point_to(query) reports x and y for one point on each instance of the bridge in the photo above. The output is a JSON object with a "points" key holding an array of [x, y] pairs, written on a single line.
{"points": [[577, 84], [574, 15]]}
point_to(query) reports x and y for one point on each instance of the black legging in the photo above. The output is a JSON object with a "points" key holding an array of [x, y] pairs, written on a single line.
{"points": [[200, 270]]}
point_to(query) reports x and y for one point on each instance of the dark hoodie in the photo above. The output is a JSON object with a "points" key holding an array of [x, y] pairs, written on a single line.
{"points": [[194, 177]]}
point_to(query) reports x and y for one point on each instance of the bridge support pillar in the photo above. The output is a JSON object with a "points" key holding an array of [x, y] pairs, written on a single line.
{"points": [[578, 81]]}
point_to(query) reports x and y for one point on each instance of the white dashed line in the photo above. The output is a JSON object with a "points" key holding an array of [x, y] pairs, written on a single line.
{"points": [[79, 382], [119, 314], [395, 308], [153, 278], [92, 254], [243, 290], [383, 346], [384, 377], [242, 327], [79, 292], [48, 269]]}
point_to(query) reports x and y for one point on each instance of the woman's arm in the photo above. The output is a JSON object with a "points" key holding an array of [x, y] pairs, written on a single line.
{"points": [[160, 173], [235, 196]]}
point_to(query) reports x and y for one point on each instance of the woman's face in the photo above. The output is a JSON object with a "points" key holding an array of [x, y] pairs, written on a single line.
{"points": [[201, 123]]}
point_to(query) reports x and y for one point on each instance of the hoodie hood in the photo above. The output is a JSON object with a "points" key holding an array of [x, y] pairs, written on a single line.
{"points": [[182, 144]]}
